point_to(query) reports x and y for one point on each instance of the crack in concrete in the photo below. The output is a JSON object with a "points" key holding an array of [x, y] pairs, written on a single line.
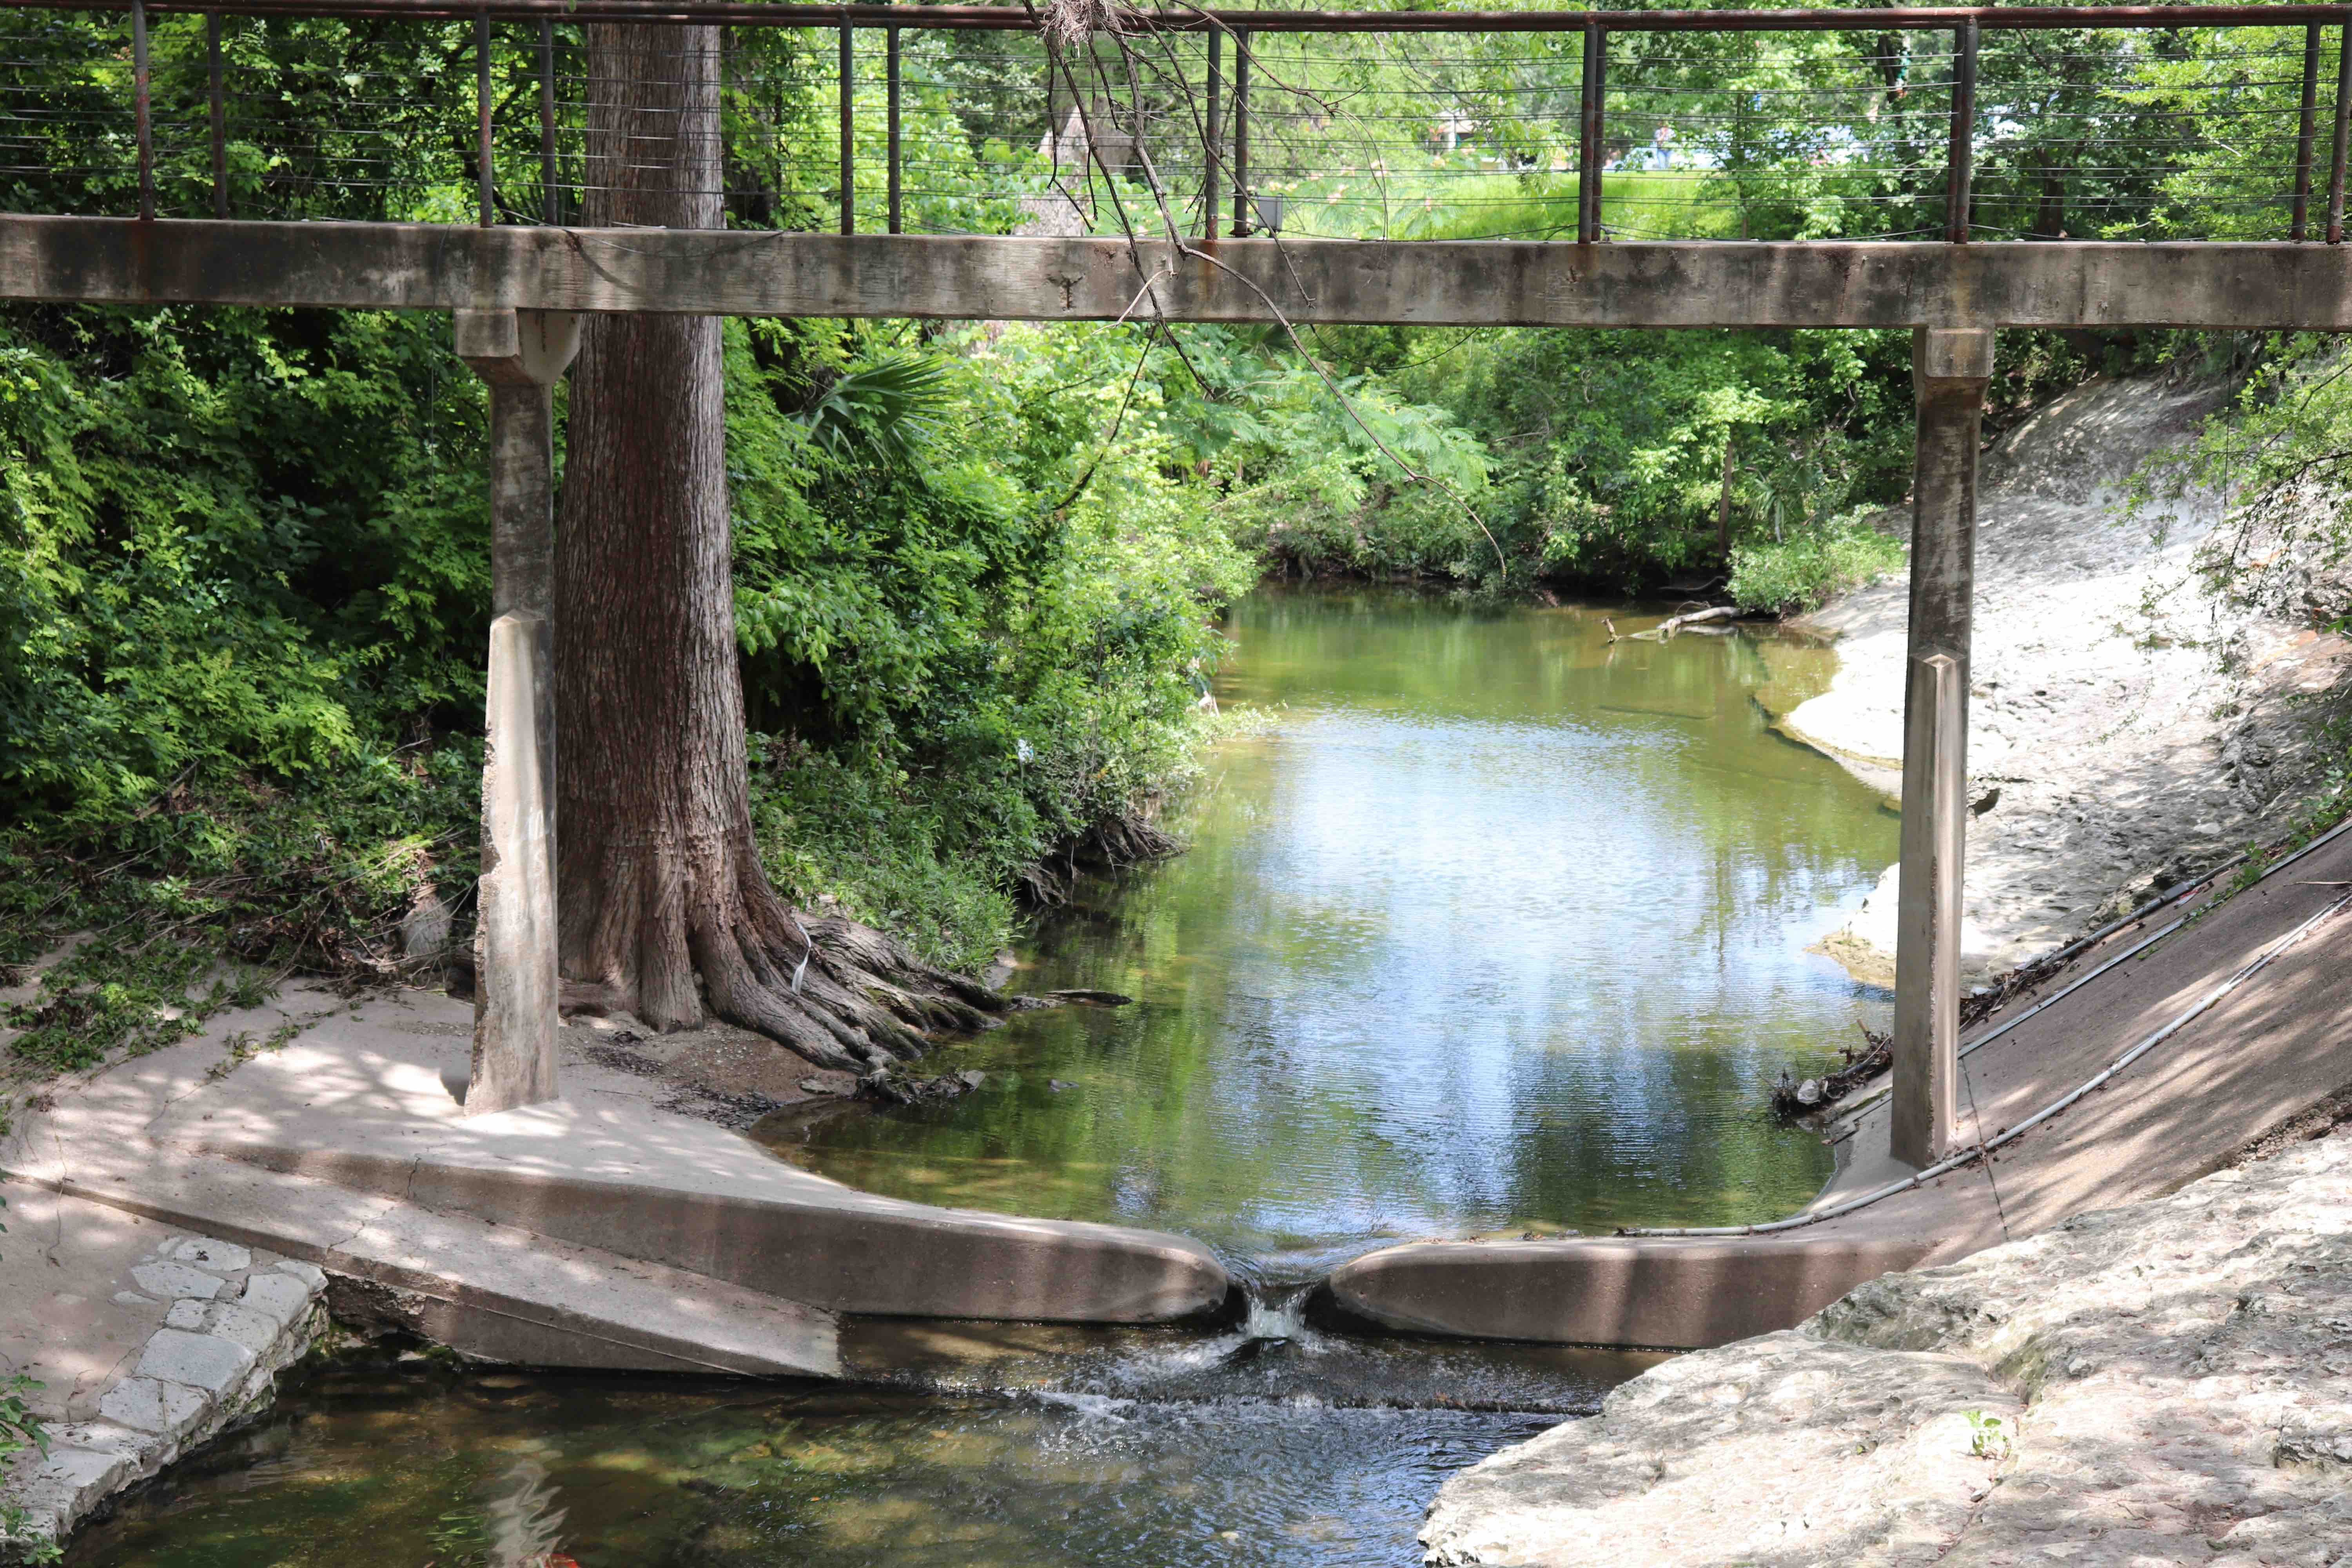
{"points": [[362, 1227]]}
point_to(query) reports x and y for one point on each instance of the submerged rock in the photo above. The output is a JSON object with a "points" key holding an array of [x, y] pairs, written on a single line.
{"points": [[2165, 1383]]}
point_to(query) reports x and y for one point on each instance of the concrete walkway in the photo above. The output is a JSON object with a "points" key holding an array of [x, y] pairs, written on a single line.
{"points": [[600, 1231], [2265, 1053]]}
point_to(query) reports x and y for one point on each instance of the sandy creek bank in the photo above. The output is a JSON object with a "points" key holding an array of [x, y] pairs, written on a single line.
{"points": [[2129, 728]]}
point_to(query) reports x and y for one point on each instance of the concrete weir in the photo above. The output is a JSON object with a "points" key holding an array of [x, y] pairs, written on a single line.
{"points": [[2258, 1057], [595, 1231]]}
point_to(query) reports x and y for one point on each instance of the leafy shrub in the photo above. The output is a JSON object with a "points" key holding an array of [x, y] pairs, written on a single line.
{"points": [[1812, 566]]}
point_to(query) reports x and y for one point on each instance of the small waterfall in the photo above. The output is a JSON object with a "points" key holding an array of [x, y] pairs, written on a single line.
{"points": [[1277, 1314], [1269, 1352]]}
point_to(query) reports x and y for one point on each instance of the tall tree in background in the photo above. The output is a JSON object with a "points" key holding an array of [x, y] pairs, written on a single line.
{"points": [[659, 878]]}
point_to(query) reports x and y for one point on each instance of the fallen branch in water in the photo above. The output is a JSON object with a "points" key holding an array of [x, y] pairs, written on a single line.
{"points": [[1791, 1100], [1672, 623]]}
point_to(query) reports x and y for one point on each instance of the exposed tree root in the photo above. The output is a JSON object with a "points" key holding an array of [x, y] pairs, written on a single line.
{"points": [[858, 1001], [839, 993], [1129, 839]]}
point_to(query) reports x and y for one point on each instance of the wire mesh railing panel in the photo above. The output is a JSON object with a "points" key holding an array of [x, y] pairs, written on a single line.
{"points": [[2192, 133], [1782, 137], [2138, 132]]}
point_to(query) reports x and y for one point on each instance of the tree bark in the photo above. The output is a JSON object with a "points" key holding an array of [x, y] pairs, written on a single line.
{"points": [[659, 880]]}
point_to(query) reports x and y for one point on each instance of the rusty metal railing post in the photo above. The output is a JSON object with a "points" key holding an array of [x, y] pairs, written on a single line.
{"points": [[1593, 116], [892, 71], [2306, 134], [217, 96], [1959, 174], [1212, 133], [848, 127], [1241, 133], [2343, 130], [144, 109], [484, 170], [551, 198]]}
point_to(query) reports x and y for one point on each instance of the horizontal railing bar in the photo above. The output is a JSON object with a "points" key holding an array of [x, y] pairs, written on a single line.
{"points": [[1007, 18]]}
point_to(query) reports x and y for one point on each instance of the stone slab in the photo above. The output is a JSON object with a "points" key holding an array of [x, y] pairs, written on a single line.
{"points": [[129, 1381], [176, 1281]]}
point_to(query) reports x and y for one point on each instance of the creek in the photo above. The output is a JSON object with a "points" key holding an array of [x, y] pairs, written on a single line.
{"points": [[1497, 927]]}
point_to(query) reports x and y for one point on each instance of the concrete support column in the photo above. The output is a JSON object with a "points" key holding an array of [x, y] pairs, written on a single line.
{"points": [[1950, 370], [520, 353]]}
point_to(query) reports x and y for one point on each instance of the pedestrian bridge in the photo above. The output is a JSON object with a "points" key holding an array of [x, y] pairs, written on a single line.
{"points": [[1941, 169]]}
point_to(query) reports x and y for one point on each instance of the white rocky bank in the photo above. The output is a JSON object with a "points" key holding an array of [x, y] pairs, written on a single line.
{"points": [[2169, 1382], [2137, 729]]}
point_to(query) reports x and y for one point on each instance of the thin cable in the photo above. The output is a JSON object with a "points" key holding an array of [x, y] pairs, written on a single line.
{"points": [[2001, 1211]]}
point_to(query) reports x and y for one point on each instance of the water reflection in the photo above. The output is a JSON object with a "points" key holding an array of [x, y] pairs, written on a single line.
{"points": [[1501, 930]]}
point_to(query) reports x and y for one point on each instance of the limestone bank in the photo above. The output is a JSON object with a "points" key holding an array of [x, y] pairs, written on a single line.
{"points": [[2128, 727], [2162, 1384]]}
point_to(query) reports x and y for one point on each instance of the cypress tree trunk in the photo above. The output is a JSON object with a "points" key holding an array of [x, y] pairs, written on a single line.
{"points": [[659, 882]]}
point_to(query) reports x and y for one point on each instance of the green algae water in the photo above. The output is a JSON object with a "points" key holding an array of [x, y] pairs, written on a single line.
{"points": [[1498, 926]]}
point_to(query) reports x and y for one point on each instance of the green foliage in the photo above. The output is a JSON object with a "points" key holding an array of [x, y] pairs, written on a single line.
{"points": [[884, 411], [1812, 565], [227, 540], [241, 723], [1586, 458], [1990, 1436], [21, 1429], [961, 669]]}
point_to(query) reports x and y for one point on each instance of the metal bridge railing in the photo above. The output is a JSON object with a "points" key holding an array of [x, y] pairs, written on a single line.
{"points": [[1959, 124]]}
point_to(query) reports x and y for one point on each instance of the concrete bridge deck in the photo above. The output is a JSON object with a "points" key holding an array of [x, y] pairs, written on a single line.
{"points": [[1667, 283]]}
